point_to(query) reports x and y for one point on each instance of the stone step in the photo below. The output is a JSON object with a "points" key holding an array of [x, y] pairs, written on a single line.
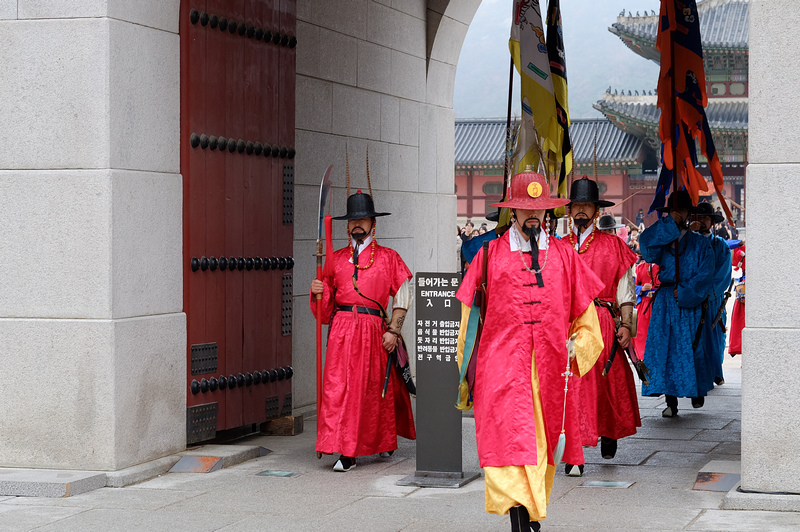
{"points": [[49, 482]]}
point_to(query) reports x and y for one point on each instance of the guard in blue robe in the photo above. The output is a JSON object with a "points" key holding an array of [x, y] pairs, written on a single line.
{"points": [[676, 369], [713, 338]]}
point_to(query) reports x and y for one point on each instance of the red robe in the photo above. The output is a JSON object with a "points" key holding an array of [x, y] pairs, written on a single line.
{"points": [[522, 318], [609, 404], [352, 418], [645, 273], [737, 317]]}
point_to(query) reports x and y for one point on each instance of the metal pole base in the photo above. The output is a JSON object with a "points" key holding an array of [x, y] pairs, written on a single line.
{"points": [[439, 479]]}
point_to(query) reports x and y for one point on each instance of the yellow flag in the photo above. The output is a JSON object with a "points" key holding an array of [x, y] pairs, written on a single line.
{"points": [[529, 51]]}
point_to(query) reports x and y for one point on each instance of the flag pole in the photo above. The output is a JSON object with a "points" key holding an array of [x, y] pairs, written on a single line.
{"points": [[674, 138], [508, 126]]}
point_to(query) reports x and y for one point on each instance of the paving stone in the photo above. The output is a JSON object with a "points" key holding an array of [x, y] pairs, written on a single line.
{"points": [[628, 453], [728, 447], [127, 520], [665, 432], [132, 498], [16, 518], [691, 420], [673, 459], [747, 521]]}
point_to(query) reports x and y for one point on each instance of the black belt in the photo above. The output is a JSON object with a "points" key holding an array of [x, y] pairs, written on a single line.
{"points": [[360, 310]]}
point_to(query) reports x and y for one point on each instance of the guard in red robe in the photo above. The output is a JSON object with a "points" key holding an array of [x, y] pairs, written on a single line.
{"points": [[737, 316], [647, 284], [535, 302], [609, 404], [352, 417]]}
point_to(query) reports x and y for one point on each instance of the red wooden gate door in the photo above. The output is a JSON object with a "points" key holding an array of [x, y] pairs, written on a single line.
{"points": [[237, 151]]}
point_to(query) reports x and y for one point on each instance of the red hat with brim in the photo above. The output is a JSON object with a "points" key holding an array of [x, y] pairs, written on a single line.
{"points": [[530, 191]]}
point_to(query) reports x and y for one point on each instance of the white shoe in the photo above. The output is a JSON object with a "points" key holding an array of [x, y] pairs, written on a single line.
{"points": [[574, 470], [386, 454], [668, 412], [344, 464]]}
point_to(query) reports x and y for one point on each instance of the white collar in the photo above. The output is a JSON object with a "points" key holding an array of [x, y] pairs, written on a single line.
{"points": [[518, 242], [582, 237], [363, 247]]}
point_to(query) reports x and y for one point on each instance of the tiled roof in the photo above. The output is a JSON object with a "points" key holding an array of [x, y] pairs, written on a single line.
{"points": [[723, 24], [722, 113], [481, 141]]}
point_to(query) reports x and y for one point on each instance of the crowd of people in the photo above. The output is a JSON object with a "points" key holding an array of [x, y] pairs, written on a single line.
{"points": [[553, 331]]}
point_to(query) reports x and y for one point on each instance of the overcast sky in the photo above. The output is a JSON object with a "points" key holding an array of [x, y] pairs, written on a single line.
{"points": [[596, 58]]}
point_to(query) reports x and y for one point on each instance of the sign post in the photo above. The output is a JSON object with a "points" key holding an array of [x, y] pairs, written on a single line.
{"points": [[438, 313]]}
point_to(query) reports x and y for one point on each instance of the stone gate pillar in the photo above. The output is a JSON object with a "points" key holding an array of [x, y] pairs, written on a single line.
{"points": [[771, 339], [92, 334]]}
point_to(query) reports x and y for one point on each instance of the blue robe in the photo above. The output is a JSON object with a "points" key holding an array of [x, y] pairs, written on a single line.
{"points": [[675, 367], [713, 341]]}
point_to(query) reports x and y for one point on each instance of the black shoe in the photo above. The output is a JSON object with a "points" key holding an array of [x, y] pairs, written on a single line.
{"points": [[672, 407], [386, 454], [344, 464], [573, 470], [608, 447], [520, 520], [698, 402], [719, 381]]}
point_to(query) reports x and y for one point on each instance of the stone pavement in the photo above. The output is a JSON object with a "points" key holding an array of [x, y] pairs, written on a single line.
{"points": [[662, 461]]}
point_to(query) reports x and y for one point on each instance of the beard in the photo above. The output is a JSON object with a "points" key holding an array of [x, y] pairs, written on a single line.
{"points": [[582, 221], [358, 234], [534, 229]]}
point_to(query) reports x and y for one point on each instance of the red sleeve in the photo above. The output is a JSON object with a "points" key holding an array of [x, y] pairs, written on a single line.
{"points": [[400, 273], [472, 280], [326, 301], [585, 285]]}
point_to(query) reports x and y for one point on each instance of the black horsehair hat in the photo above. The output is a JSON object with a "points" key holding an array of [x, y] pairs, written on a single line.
{"points": [[584, 190], [359, 205], [706, 209], [680, 199]]}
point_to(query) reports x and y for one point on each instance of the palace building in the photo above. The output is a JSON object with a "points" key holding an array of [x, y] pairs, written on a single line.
{"points": [[628, 147]]}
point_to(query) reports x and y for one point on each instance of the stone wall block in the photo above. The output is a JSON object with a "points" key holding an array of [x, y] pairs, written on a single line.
{"points": [[304, 352], [144, 98], [403, 167], [58, 411], [767, 300], [771, 140], [426, 249], [8, 9], [390, 119], [395, 29], [338, 57], [409, 122], [446, 150], [415, 8], [54, 94], [462, 10], [408, 80], [308, 48], [315, 152], [401, 223], [57, 226], [149, 388], [162, 15], [447, 50], [147, 243], [316, 113], [374, 72], [448, 260], [428, 148], [378, 168], [769, 410], [440, 83], [345, 16], [355, 112]]}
